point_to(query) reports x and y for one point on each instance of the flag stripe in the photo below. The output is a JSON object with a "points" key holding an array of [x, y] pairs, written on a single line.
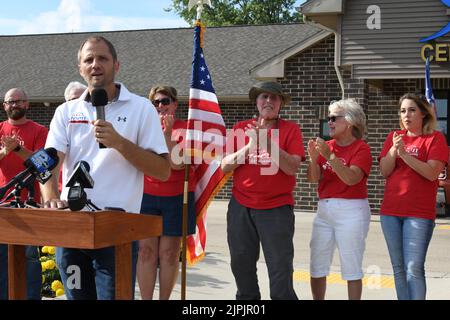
{"points": [[211, 117], [196, 94], [201, 125], [202, 183], [205, 137], [205, 106]]}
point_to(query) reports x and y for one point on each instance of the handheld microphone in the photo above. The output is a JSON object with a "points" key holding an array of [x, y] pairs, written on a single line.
{"points": [[79, 179], [99, 99], [39, 164]]}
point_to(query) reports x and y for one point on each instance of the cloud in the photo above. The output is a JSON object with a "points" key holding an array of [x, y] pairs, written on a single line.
{"points": [[79, 16]]}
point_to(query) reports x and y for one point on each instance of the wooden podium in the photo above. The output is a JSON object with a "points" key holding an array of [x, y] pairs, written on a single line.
{"points": [[80, 229]]}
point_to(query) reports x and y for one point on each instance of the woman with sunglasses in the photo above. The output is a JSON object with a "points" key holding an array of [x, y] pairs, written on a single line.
{"points": [[165, 199], [341, 167], [411, 160]]}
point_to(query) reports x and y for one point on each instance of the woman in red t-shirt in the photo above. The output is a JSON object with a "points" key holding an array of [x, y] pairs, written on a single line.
{"points": [[410, 161], [341, 166], [165, 198]]}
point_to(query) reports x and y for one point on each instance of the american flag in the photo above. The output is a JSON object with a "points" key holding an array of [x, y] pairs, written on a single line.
{"points": [[428, 89], [205, 141]]}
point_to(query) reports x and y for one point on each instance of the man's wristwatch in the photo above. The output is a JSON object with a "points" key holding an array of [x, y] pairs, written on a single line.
{"points": [[18, 148], [332, 157]]}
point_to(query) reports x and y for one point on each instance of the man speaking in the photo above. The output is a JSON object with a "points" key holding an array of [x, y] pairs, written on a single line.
{"points": [[134, 144]]}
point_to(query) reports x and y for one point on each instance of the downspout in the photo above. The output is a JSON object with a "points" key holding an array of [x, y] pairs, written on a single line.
{"points": [[337, 50]]}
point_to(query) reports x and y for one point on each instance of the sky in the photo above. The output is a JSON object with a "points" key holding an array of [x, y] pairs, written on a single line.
{"points": [[61, 16]]}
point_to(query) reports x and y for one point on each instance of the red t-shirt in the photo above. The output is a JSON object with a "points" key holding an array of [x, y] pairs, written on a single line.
{"points": [[175, 184], [251, 188], [407, 193], [32, 136], [356, 154]]}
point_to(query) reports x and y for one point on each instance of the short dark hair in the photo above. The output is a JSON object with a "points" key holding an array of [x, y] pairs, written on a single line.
{"points": [[111, 48]]}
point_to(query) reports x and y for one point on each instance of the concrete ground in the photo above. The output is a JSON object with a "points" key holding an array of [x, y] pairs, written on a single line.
{"points": [[211, 279]]}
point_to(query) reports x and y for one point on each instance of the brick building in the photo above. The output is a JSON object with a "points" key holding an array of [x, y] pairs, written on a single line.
{"points": [[339, 52]]}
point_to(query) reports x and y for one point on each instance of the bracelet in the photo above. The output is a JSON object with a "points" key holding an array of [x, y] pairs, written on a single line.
{"points": [[18, 148]]}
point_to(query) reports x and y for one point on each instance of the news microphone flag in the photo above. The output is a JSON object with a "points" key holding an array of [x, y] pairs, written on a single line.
{"points": [[428, 89], [205, 141]]}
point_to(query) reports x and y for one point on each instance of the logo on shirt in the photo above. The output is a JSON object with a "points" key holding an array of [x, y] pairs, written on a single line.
{"points": [[412, 150], [78, 117], [327, 166], [261, 157], [124, 119]]}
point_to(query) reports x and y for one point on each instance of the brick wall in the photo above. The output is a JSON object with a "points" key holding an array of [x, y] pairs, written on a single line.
{"points": [[37, 112]]}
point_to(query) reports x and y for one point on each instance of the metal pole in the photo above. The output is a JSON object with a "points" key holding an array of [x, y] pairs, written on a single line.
{"points": [[184, 236]]}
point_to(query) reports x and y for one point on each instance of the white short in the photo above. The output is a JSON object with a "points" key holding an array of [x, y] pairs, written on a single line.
{"points": [[341, 222]]}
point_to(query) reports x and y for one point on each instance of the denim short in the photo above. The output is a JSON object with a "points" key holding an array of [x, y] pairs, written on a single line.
{"points": [[171, 209]]}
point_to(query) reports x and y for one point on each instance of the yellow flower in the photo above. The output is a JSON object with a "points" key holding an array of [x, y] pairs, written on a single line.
{"points": [[44, 249], [42, 259], [59, 292], [43, 266], [57, 285], [51, 250], [50, 264]]}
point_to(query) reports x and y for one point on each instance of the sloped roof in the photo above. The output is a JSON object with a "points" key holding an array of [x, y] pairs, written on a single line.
{"points": [[44, 64]]}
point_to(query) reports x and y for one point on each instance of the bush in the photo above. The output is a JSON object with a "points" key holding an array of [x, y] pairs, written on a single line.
{"points": [[51, 280]]}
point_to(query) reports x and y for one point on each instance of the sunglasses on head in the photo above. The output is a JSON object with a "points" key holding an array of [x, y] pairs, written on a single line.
{"points": [[164, 101], [333, 118]]}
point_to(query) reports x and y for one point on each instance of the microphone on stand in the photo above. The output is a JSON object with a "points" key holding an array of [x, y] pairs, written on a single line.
{"points": [[79, 179], [99, 99], [38, 166]]}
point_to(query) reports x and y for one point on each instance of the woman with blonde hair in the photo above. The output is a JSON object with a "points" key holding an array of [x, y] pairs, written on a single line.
{"points": [[410, 161], [341, 167]]}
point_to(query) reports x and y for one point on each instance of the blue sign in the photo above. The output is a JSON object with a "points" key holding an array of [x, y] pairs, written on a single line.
{"points": [[441, 32]]}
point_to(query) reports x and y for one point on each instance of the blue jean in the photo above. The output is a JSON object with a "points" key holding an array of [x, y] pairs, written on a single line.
{"points": [[34, 272], [90, 274], [407, 240]]}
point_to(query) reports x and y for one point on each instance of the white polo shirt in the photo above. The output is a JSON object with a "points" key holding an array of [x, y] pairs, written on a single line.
{"points": [[117, 183]]}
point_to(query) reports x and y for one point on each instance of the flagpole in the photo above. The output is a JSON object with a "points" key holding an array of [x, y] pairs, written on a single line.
{"points": [[185, 214], [199, 4]]}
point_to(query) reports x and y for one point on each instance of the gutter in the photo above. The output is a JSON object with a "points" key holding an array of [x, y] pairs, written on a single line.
{"points": [[337, 50]]}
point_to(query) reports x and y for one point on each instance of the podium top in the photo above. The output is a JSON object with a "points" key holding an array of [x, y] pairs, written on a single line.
{"points": [[75, 229]]}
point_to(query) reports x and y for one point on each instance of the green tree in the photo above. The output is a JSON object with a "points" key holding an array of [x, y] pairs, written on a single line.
{"points": [[240, 12]]}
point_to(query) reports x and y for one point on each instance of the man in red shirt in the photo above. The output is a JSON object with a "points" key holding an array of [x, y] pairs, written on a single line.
{"points": [[264, 154], [19, 138]]}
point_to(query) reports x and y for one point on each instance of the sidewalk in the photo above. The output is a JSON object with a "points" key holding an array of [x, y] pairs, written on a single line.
{"points": [[211, 279]]}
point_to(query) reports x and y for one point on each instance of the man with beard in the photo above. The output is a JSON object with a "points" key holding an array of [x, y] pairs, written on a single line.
{"points": [[135, 146], [19, 138]]}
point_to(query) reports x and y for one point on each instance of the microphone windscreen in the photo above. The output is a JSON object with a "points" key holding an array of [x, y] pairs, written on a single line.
{"points": [[54, 155], [83, 163], [99, 97]]}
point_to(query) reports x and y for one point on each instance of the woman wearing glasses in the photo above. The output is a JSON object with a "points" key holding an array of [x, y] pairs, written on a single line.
{"points": [[165, 199], [341, 167], [410, 161]]}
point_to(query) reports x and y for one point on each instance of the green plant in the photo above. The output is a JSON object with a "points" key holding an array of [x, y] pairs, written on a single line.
{"points": [[51, 279]]}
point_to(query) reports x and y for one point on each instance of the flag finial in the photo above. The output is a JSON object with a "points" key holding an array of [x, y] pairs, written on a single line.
{"points": [[199, 4]]}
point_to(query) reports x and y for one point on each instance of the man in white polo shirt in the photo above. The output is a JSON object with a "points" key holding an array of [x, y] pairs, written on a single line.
{"points": [[135, 146]]}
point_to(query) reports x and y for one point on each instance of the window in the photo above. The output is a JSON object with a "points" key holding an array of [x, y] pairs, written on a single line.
{"points": [[442, 105]]}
